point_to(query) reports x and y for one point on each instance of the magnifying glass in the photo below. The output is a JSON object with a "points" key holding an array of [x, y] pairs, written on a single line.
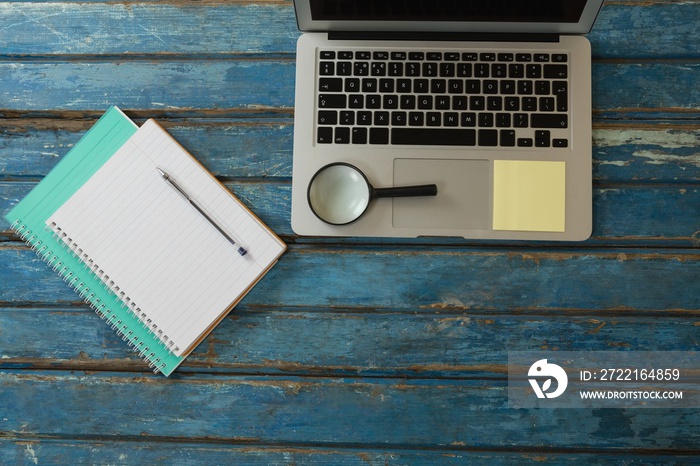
{"points": [[340, 193]]}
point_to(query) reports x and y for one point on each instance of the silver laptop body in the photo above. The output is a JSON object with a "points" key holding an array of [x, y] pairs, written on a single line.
{"points": [[490, 101]]}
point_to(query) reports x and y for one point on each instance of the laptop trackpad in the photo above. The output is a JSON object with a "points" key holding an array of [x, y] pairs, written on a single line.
{"points": [[463, 199]]}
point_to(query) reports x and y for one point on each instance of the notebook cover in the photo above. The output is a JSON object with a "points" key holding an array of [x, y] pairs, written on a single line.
{"points": [[28, 220]]}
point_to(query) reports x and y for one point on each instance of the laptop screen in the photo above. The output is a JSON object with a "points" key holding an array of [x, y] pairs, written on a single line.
{"points": [[449, 10], [475, 16]]}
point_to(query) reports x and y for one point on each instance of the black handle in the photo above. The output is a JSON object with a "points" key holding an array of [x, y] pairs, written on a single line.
{"points": [[407, 191]]}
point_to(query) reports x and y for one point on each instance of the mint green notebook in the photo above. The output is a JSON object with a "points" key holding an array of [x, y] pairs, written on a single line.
{"points": [[28, 219]]}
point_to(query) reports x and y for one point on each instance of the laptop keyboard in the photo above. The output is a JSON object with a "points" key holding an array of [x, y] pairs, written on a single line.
{"points": [[481, 99]]}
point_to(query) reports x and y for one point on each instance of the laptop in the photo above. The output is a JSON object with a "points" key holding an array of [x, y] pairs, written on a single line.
{"points": [[490, 101]]}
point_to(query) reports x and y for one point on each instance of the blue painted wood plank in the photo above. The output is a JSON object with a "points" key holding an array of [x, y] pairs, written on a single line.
{"points": [[300, 410], [214, 87], [29, 450], [272, 341], [441, 278], [262, 148], [641, 213], [626, 29]]}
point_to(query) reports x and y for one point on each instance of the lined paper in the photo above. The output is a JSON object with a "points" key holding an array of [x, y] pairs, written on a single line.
{"points": [[167, 263]]}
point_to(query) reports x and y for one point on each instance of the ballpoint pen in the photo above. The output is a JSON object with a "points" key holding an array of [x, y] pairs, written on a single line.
{"points": [[241, 250]]}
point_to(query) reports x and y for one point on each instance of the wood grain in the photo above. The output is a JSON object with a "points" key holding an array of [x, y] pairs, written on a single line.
{"points": [[352, 350]]}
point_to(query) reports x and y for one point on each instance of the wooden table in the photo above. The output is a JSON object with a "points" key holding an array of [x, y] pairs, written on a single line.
{"points": [[351, 351]]}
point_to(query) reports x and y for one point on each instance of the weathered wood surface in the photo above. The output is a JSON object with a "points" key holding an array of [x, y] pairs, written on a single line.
{"points": [[355, 350]]}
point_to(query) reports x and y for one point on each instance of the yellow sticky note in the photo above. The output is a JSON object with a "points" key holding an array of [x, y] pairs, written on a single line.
{"points": [[529, 195]]}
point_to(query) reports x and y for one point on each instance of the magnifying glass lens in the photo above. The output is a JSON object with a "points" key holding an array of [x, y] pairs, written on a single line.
{"points": [[339, 194]]}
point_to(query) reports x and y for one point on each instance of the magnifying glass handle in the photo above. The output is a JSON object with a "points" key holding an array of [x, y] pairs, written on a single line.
{"points": [[407, 191]]}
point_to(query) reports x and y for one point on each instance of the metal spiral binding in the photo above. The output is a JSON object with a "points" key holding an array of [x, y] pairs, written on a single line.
{"points": [[107, 314]]}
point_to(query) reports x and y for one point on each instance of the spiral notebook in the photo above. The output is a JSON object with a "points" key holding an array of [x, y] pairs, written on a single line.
{"points": [[156, 268]]}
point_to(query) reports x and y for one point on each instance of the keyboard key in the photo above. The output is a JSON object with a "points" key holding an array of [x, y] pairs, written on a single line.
{"points": [[330, 84], [327, 55], [361, 56], [342, 135], [420, 86], [555, 71], [360, 68], [369, 85], [499, 70], [345, 55], [395, 69], [488, 137], [542, 138], [373, 101], [464, 70], [560, 143], [381, 118], [468, 120], [477, 103], [487, 57], [450, 119], [542, 88], [505, 57], [430, 69], [327, 117], [433, 119], [549, 120], [442, 102], [507, 138], [379, 136], [516, 70], [398, 118], [523, 57], [416, 56], [521, 120], [356, 101], [359, 135], [494, 103], [352, 84], [343, 68], [503, 120], [398, 55], [416, 119], [378, 69], [438, 86], [542, 57], [546, 104], [433, 136], [459, 102], [408, 102], [561, 91], [525, 142], [326, 68], [364, 118], [325, 135], [530, 104], [455, 86], [560, 58], [425, 102], [485, 121], [380, 55], [392, 102], [332, 101], [533, 71], [347, 118], [386, 85], [470, 56]]}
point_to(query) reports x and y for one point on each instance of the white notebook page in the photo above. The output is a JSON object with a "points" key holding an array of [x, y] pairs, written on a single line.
{"points": [[158, 253]]}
